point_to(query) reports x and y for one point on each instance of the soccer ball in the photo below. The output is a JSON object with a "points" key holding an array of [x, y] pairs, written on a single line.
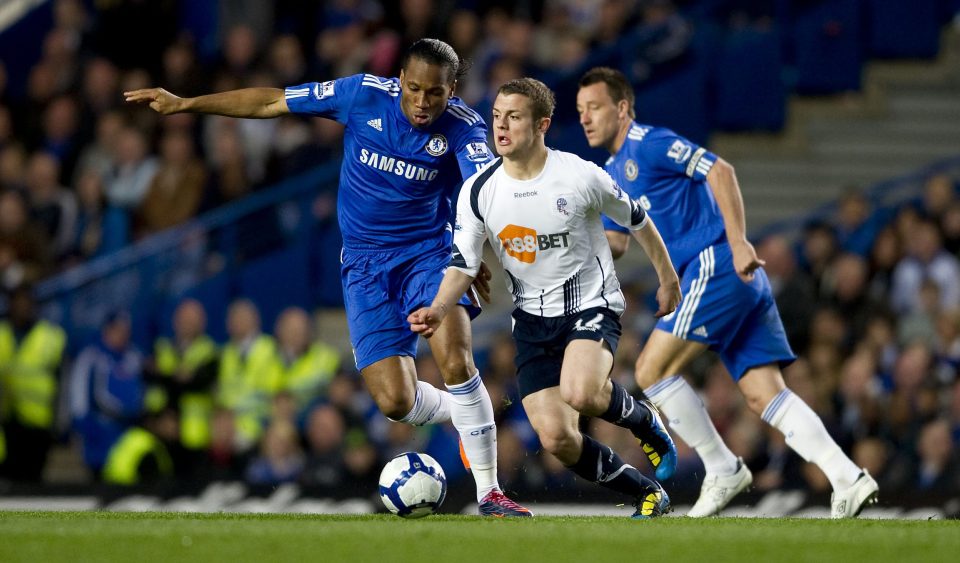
{"points": [[413, 485]]}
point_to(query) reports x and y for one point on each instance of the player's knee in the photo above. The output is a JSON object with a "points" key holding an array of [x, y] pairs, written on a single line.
{"points": [[456, 368], [580, 398], [646, 373], [757, 402], [558, 442], [394, 406]]}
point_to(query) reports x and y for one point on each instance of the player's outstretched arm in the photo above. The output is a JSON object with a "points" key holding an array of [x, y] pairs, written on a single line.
{"points": [[259, 103], [618, 242], [668, 294], [426, 320], [723, 181]]}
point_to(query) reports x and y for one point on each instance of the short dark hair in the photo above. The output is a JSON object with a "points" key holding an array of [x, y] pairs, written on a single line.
{"points": [[436, 52], [618, 86], [541, 97]]}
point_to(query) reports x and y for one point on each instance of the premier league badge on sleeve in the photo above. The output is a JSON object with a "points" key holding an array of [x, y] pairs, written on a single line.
{"points": [[437, 145]]}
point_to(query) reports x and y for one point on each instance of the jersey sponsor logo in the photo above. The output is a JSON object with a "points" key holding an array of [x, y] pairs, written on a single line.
{"points": [[478, 152], [324, 90], [376, 124], [631, 170], [521, 195], [523, 243], [679, 151], [396, 166], [437, 145]]}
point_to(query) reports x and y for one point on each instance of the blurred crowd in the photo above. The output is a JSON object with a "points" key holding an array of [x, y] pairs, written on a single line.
{"points": [[870, 297]]}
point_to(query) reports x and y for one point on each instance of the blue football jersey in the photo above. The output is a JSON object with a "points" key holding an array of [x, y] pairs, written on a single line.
{"points": [[668, 175], [396, 181]]}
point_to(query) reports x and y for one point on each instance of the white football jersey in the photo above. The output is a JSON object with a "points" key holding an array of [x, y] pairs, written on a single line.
{"points": [[547, 233]]}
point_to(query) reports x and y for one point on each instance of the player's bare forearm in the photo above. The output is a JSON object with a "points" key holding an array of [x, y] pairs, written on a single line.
{"points": [[652, 243], [426, 320], [726, 190], [618, 242], [258, 103], [668, 294]]}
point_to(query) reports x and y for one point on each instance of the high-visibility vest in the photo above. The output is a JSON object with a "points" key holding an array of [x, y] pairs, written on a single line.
{"points": [[195, 407], [124, 459], [308, 375], [247, 383], [28, 373]]}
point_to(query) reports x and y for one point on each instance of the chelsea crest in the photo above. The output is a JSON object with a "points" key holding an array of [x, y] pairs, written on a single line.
{"points": [[630, 169], [437, 145]]}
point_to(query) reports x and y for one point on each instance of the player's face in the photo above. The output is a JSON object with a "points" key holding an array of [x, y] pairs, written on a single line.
{"points": [[515, 131], [599, 114], [425, 89]]}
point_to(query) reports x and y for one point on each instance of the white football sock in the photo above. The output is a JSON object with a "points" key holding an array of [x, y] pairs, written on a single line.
{"points": [[807, 436], [431, 406], [688, 418], [472, 415]]}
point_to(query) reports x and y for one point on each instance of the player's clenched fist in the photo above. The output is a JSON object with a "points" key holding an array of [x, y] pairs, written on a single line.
{"points": [[160, 100]]}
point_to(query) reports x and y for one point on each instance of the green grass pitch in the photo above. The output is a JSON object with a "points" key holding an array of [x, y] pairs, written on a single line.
{"points": [[142, 537]]}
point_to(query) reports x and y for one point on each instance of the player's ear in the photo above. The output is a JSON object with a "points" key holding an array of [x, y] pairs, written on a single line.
{"points": [[453, 87], [623, 108], [401, 77], [544, 125]]}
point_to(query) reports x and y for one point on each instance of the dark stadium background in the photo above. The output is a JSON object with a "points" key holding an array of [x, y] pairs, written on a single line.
{"points": [[841, 117]]}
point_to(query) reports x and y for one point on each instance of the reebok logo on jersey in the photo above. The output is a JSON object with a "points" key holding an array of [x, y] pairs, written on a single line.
{"points": [[523, 243], [376, 124]]}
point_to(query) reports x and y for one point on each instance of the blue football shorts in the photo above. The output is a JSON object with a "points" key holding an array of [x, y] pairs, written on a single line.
{"points": [[738, 321], [382, 286]]}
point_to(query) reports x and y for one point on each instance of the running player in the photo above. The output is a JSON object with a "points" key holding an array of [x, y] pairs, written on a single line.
{"points": [[694, 197], [408, 144], [540, 209]]}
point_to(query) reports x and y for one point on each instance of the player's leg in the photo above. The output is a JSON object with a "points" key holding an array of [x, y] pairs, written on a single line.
{"points": [[393, 384], [664, 356], [586, 386], [470, 407], [383, 345], [556, 424], [768, 396], [714, 305]]}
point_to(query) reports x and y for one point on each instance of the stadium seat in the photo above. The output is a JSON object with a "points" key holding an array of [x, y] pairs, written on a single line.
{"points": [[827, 47], [753, 57], [903, 29]]}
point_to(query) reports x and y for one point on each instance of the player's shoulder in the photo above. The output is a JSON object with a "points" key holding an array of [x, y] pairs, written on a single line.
{"points": [[482, 177], [643, 136], [573, 164], [461, 118], [377, 86]]}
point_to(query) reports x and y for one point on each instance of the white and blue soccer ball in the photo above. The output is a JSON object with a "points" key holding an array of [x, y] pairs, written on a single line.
{"points": [[413, 485]]}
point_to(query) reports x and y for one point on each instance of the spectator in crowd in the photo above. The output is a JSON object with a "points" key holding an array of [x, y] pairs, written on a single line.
{"points": [[31, 355], [280, 460], [25, 252], [52, 207], [792, 288], [176, 191], [308, 364], [926, 259], [184, 369], [249, 374], [106, 390], [133, 170], [325, 429], [856, 225]]}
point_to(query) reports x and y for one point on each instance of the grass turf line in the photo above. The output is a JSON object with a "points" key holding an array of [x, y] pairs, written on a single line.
{"points": [[143, 537]]}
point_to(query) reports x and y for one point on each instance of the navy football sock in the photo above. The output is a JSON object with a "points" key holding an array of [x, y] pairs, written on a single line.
{"points": [[601, 465], [624, 411]]}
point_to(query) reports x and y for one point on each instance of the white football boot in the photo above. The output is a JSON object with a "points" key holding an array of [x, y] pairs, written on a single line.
{"points": [[717, 491], [849, 502]]}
